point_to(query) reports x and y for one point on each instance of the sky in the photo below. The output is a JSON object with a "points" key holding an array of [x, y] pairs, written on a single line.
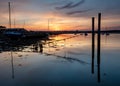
{"points": [[61, 14]]}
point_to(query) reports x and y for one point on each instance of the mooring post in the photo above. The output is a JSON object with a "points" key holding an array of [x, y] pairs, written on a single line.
{"points": [[93, 43], [99, 39], [99, 45]]}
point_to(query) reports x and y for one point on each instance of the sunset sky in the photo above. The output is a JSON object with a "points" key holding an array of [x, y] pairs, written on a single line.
{"points": [[62, 14]]}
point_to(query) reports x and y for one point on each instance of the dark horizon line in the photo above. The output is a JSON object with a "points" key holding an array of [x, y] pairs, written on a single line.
{"points": [[69, 31], [79, 31]]}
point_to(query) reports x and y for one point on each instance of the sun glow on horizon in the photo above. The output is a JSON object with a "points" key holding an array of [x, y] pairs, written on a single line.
{"points": [[57, 23]]}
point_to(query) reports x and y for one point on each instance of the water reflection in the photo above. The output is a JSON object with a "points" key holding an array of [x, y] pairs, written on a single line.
{"points": [[38, 47], [73, 49], [12, 65], [13, 46], [69, 59], [20, 45]]}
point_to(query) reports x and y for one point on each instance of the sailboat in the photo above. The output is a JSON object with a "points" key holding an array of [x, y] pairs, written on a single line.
{"points": [[14, 32], [21, 32]]}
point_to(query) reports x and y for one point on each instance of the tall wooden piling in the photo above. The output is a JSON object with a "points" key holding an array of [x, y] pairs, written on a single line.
{"points": [[93, 43], [99, 39], [99, 45]]}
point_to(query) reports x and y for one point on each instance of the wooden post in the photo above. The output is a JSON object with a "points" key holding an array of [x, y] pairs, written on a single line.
{"points": [[93, 43], [99, 39], [99, 45]]}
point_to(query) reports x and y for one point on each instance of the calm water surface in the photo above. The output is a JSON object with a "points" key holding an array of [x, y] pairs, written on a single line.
{"points": [[65, 60]]}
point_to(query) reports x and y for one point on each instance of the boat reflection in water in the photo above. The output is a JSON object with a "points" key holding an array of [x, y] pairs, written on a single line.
{"points": [[61, 60]]}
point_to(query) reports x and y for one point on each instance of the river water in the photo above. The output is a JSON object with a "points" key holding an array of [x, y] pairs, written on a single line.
{"points": [[63, 60]]}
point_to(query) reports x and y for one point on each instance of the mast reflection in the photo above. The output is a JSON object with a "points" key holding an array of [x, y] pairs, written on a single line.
{"points": [[12, 65]]}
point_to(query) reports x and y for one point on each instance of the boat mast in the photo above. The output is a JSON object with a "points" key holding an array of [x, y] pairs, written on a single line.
{"points": [[48, 25], [14, 24], [9, 14], [24, 24]]}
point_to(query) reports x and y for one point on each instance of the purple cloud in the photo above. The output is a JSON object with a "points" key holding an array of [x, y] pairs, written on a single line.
{"points": [[77, 4], [65, 6], [70, 5]]}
